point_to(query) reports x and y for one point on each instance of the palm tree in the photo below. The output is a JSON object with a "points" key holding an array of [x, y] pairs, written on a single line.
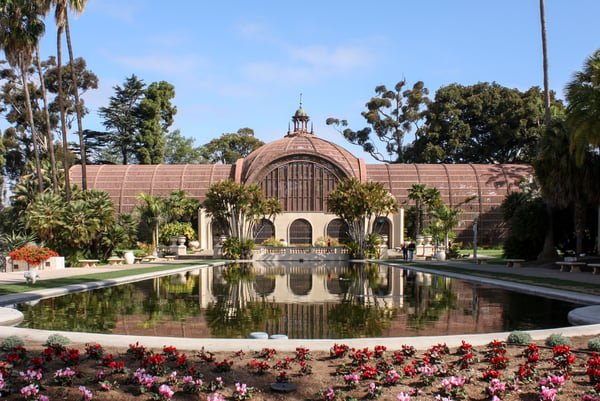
{"points": [[562, 180], [583, 111], [423, 196], [545, 62], [20, 31], [62, 22], [152, 211]]}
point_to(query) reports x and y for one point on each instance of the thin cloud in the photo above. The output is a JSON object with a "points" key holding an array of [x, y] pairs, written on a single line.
{"points": [[310, 64], [176, 65]]}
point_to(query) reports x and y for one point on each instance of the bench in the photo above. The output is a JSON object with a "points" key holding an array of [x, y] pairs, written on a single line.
{"points": [[568, 266], [138, 259], [170, 258], [595, 268], [31, 276], [149, 258], [88, 262], [514, 262], [115, 260], [482, 260]]}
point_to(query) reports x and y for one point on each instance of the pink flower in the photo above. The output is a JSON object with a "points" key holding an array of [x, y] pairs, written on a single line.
{"points": [[165, 391], [403, 397], [86, 394], [547, 394], [215, 397]]}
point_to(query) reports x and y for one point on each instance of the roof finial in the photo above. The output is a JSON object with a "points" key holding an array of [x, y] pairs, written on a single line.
{"points": [[300, 99]]}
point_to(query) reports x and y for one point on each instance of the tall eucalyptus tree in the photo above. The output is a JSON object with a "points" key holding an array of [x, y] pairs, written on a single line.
{"points": [[62, 21], [20, 31]]}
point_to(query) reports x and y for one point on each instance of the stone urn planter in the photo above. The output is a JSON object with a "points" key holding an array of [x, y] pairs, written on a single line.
{"points": [[419, 239], [181, 240], [129, 257], [440, 255]]}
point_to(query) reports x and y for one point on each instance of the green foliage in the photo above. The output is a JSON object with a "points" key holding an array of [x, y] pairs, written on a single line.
{"points": [[272, 241], [583, 95], [481, 123], [519, 337], [181, 150], [228, 148], [233, 248], [176, 229], [121, 118], [239, 207], [324, 241], [359, 205], [557, 339], [594, 344], [527, 223], [155, 113], [57, 340], [12, 342], [391, 115]]}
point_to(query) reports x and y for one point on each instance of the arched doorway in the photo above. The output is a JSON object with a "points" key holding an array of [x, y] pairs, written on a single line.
{"points": [[338, 229], [300, 233], [263, 231], [382, 227]]}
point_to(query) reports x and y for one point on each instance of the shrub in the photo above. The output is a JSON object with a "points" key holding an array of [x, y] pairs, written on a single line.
{"points": [[519, 337], [55, 340], [557, 339], [594, 344], [324, 241], [12, 342], [274, 242], [176, 229]]}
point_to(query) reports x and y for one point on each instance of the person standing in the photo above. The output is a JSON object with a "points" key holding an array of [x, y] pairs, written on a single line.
{"points": [[411, 251]]}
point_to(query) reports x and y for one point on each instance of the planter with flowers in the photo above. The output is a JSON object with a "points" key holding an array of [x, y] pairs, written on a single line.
{"points": [[40, 257]]}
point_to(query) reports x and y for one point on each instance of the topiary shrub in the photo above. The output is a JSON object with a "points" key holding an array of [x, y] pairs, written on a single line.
{"points": [[12, 342], [594, 344], [57, 341], [519, 337], [557, 339]]}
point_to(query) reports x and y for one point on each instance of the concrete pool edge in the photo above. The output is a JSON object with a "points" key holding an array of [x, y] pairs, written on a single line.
{"points": [[217, 344]]}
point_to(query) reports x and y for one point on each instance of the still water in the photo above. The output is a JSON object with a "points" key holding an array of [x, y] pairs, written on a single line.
{"points": [[301, 300]]}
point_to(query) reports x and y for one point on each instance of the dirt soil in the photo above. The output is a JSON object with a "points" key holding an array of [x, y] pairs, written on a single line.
{"points": [[313, 377]]}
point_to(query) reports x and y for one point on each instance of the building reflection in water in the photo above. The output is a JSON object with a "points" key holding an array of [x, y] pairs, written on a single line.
{"points": [[301, 300]]}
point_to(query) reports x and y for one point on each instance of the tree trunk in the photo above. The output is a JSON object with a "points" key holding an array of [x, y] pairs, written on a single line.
{"points": [[48, 128], [78, 109], [34, 137], [579, 219], [549, 250], [547, 115], [63, 118]]}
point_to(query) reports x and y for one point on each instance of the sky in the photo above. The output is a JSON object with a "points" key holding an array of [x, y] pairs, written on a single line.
{"points": [[238, 64]]}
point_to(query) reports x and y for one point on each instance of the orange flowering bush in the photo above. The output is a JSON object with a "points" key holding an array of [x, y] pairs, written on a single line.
{"points": [[33, 254]]}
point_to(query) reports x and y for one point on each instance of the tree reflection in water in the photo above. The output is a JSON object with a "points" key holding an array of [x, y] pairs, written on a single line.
{"points": [[429, 298], [361, 312], [238, 311]]}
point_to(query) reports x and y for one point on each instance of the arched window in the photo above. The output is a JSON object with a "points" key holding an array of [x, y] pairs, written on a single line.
{"points": [[338, 229], [300, 233], [301, 186], [263, 231], [382, 227]]}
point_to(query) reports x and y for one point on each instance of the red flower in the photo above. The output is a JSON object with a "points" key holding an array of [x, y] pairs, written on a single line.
{"points": [[32, 254]]}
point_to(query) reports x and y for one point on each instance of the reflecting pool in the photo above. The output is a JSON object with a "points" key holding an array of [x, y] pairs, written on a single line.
{"points": [[301, 300]]}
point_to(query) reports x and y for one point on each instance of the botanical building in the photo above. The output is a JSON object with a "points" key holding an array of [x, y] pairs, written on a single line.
{"points": [[300, 170]]}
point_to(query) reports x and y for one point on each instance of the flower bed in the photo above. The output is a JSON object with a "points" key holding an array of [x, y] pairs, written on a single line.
{"points": [[496, 372], [33, 255]]}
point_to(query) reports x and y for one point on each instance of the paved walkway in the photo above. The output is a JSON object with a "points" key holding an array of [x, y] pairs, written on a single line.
{"points": [[254, 344]]}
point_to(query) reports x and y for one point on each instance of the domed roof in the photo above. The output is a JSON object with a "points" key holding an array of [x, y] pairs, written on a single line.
{"points": [[300, 112], [300, 146]]}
